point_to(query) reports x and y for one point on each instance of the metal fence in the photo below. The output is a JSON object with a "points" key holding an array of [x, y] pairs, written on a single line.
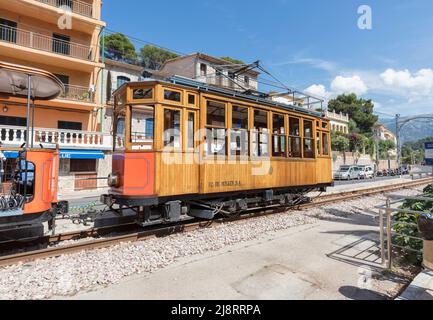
{"points": [[78, 7], [388, 225], [46, 43]]}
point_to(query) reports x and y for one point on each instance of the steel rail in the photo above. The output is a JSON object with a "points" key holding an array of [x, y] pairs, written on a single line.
{"points": [[161, 231]]}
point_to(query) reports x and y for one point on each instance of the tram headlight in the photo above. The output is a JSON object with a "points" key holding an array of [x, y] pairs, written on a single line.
{"points": [[113, 180]]}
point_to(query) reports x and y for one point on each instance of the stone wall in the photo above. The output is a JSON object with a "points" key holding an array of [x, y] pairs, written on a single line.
{"points": [[350, 158]]}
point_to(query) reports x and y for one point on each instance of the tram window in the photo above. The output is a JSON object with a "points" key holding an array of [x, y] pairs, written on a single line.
{"points": [[216, 114], [119, 142], [25, 178], [191, 99], [172, 95], [215, 142], [142, 93], [191, 129], [172, 137], [318, 142], [308, 139], [216, 128], [239, 132], [278, 136], [294, 138], [142, 131], [325, 144], [324, 125], [260, 136]]}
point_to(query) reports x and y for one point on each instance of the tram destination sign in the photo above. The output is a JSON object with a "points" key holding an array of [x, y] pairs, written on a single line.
{"points": [[429, 153]]}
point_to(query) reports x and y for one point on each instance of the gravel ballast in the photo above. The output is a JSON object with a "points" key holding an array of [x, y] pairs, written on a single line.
{"points": [[87, 270]]}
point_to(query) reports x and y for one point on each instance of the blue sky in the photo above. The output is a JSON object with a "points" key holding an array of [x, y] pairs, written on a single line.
{"points": [[312, 45]]}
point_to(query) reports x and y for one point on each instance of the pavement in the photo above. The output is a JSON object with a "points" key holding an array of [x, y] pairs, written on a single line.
{"points": [[329, 260], [421, 288]]}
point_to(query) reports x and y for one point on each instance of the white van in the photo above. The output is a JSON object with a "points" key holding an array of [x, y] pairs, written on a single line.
{"points": [[347, 173], [366, 172]]}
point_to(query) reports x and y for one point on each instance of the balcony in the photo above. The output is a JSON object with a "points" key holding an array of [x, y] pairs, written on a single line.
{"points": [[42, 42], [78, 7], [77, 93], [13, 137]]}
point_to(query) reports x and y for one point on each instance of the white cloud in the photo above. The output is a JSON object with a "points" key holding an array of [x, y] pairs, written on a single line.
{"points": [[319, 91], [313, 62], [418, 84], [352, 84]]}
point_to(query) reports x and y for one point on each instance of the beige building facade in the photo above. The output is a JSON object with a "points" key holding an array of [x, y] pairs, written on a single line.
{"points": [[62, 37]]}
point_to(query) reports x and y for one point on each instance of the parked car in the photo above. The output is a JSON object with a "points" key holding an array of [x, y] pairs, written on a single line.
{"points": [[366, 172], [347, 173]]}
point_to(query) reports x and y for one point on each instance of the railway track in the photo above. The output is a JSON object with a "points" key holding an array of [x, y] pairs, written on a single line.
{"points": [[132, 234]]}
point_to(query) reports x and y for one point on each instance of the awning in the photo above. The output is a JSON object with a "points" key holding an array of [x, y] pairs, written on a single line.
{"points": [[81, 154], [10, 154]]}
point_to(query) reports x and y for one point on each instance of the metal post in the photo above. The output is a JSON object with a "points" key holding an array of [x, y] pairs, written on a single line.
{"points": [[388, 213], [382, 238], [397, 126], [33, 124], [26, 147]]}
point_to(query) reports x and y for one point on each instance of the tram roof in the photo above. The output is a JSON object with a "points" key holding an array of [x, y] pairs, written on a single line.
{"points": [[189, 83], [14, 81]]}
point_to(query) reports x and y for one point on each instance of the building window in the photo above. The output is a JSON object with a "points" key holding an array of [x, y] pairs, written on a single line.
{"points": [[13, 121], [308, 139], [69, 3], [8, 30], [278, 135], [65, 80], [203, 70], [69, 125], [260, 134], [172, 137], [239, 133], [61, 44], [142, 94], [247, 80], [215, 128], [82, 165], [172, 95], [294, 138], [142, 126], [122, 80]]}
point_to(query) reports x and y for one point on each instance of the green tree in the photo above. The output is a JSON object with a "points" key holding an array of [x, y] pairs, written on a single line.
{"points": [[119, 46], [232, 60], [413, 152], [154, 57], [340, 143], [359, 110], [385, 147]]}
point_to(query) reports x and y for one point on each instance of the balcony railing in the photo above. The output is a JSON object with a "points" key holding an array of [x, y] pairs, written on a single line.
{"points": [[11, 136], [77, 93], [42, 42], [79, 7]]}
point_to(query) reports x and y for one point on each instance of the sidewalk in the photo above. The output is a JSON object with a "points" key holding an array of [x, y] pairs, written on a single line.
{"points": [[421, 288]]}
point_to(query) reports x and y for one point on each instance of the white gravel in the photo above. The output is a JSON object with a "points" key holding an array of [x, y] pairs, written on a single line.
{"points": [[70, 274]]}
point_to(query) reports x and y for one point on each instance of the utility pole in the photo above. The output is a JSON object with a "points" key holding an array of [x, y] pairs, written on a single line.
{"points": [[397, 127]]}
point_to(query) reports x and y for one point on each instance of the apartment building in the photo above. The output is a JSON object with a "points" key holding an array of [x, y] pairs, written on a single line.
{"points": [[116, 73], [62, 37], [339, 121], [211, 70]]}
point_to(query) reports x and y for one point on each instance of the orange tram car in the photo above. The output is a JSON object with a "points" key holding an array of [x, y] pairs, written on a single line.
{"points": [[185, 149]]}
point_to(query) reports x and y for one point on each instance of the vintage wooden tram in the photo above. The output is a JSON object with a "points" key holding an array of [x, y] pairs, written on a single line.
{"points": [[183, 148]]}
